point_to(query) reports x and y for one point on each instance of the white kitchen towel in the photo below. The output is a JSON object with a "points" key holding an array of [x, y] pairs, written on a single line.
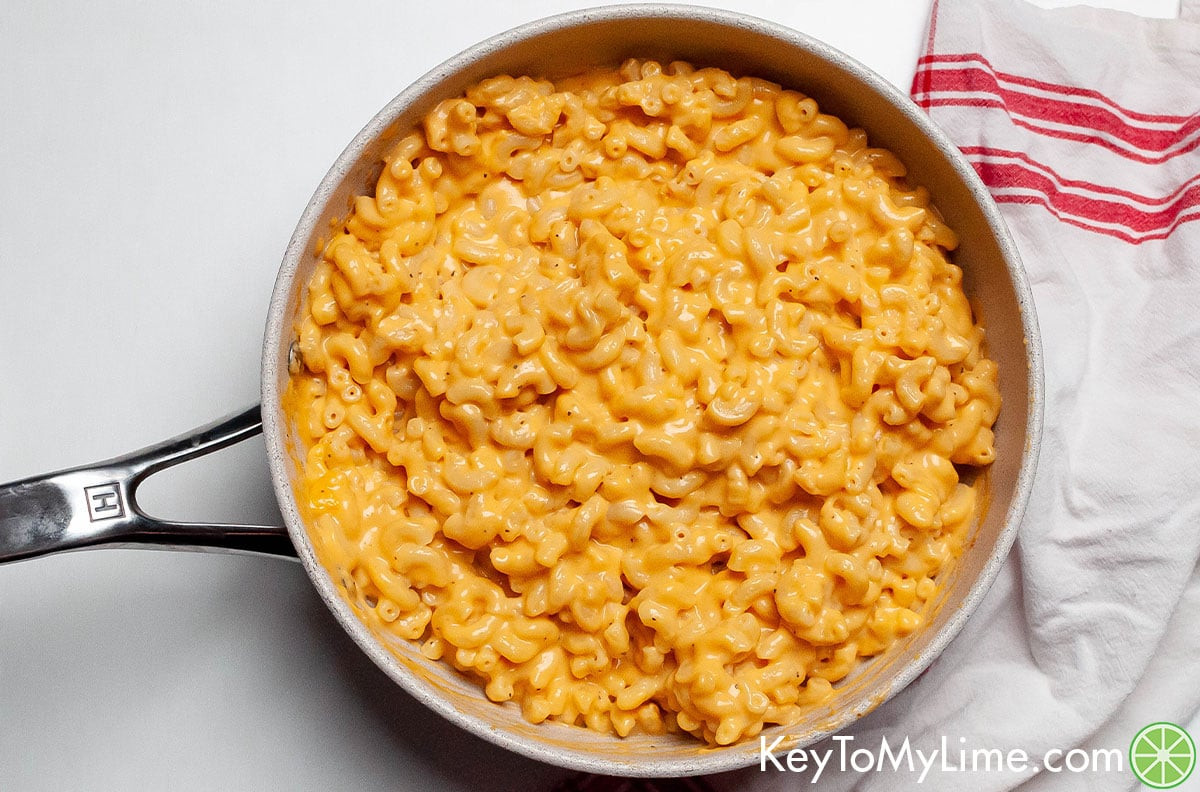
{"points": [[1085, 125]]}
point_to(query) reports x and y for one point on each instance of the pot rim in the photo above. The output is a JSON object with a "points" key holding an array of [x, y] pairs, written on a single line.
{"points": [[279, 333]]}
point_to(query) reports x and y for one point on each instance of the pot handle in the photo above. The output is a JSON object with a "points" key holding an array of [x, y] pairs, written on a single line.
{"points": [[97, 504]]}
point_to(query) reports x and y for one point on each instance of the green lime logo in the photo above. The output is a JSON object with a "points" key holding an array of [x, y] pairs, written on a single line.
{"points": [[1162, 755]]}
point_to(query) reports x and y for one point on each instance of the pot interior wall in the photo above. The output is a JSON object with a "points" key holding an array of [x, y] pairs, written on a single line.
{"points": [[743, 46]]}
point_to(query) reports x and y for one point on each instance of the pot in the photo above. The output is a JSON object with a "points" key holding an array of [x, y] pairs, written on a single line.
{"points": [[97, 504]]}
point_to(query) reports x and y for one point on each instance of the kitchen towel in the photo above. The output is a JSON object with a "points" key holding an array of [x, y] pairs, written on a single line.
{"points": [[1085, 125]]}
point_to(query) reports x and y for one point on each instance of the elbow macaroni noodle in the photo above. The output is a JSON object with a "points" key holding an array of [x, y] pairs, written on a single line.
{"points": [[641, 397]]}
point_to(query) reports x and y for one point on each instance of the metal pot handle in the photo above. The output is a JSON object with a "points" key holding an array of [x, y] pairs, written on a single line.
{"points": [[97, 504]]}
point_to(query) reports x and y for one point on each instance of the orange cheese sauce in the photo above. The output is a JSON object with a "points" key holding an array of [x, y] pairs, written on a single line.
{"points": [[641, 397]]}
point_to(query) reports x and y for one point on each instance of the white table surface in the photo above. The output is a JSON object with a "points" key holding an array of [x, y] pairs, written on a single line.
{"points": [[154, 159]]}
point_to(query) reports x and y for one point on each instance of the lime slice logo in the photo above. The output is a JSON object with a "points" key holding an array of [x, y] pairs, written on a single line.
{"points": [[1162, 755]]}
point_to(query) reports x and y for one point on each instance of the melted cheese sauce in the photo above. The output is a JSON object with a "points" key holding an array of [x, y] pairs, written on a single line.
{"points": [[641, 398]]}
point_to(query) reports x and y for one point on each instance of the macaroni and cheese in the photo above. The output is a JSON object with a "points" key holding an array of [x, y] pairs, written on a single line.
{"points": [[641, 397]]}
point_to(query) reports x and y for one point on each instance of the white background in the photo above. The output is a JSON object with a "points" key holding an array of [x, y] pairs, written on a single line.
{"points": [[153, 161]]}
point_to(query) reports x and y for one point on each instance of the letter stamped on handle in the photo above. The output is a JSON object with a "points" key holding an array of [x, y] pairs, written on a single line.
{"points": [[104, 502]]}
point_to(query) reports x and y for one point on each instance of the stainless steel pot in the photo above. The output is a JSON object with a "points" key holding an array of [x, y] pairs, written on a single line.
{"points": [[97, 504]]}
